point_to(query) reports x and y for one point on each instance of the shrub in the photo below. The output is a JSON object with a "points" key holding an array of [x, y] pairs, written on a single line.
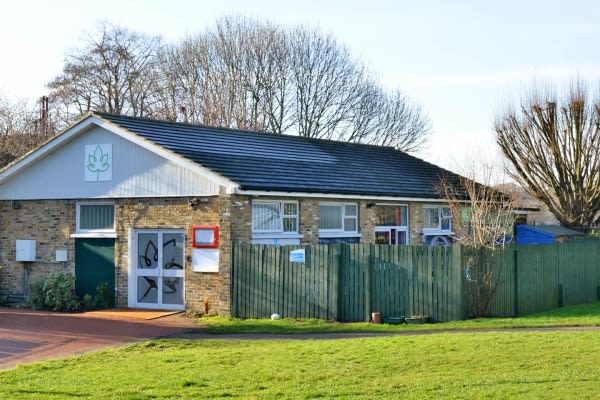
{"points": [[104, 296], [36, 298], [56, 293], [60, 292], [88, 302]]}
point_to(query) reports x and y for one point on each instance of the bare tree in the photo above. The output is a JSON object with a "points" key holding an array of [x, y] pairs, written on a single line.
{"points": [[248, 74], [386, 119], [114, 71], [553, 146], [242, 73], [326, 81], [19, 129], [234, 75], [183, 81], [483, 223]]}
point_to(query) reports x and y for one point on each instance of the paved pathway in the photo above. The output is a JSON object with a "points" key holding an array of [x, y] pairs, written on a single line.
{"points": [[27, 336]]}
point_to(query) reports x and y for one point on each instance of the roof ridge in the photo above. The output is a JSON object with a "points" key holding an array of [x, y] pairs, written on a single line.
{"points": [[242, 131]]}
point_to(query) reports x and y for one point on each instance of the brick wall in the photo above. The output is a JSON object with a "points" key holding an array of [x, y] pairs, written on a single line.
{"points": [[241, 215], [48, 222], [51, 223], [179, 213]]}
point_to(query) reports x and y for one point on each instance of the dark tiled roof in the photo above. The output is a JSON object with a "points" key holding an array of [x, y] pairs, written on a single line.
{"points": [[270, 162]]}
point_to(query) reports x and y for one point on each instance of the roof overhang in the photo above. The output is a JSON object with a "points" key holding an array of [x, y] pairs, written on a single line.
{"points": [[92, 120]]}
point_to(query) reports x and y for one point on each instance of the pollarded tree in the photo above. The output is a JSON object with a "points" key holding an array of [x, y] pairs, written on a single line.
{"points": [[554, 148]]}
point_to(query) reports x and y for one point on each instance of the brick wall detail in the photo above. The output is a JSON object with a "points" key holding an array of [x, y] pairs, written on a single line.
{"points": [[51, 223]]}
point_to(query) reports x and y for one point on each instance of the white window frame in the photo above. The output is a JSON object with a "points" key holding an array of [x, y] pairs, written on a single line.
{"points": [[109, 233], [272, 236], [437, 230], [340, 233], [398, 228]]}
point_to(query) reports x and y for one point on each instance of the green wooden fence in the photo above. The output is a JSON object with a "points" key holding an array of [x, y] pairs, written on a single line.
{"points": [[536, 278], [346, 282]]}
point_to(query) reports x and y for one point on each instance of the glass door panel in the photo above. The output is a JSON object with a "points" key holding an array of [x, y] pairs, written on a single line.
{"points": [[160, 269], [147, 251], [172, 251], [172, 268], [172, 290], [147, 289]]}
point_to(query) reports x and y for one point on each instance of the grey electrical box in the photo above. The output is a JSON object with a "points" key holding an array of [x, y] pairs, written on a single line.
{"points": [[61, 255], [25, 250]]}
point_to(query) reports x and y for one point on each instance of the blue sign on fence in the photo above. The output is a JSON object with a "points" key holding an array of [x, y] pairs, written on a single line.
{"points": [[297, 256]]}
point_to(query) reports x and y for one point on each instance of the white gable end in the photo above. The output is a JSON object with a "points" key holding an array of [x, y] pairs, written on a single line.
{"points": [[101, 164]]}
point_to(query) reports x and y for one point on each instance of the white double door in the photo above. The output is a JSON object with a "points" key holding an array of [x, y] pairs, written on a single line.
{"points": [[159, 281]]}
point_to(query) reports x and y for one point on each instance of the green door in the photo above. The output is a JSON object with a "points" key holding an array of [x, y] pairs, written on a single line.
{"points": [[94, 263]]}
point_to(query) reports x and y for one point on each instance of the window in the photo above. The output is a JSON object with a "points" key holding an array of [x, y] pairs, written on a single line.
{"points": [[95, 217], [338, 218], [391, 215], [437, 219], [392, 224], [275, 216]]}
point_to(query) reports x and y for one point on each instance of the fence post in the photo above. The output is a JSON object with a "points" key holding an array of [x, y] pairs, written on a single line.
{"points": [[460, 293], [516, 277], [233, 285], [369, 266], [334, 290]]}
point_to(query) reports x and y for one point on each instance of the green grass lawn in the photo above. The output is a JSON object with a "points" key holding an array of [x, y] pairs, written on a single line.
{"points": [[548, 365], [580, 315]]}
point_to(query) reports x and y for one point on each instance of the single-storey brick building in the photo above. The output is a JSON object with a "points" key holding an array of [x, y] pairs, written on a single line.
{"points": [[153, 206]]}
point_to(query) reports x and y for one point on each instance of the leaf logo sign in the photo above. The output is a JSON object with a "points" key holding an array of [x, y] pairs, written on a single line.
{"points": [[98, 162]]}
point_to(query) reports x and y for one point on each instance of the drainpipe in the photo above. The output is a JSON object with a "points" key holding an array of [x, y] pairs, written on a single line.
{"points": [[25, 279]]}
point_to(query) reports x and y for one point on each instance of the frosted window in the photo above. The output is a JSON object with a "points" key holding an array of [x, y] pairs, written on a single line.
{"points": [[96, 217], [330, 216]]}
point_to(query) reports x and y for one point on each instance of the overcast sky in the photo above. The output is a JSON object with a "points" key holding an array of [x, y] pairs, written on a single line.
{"points": [[462, 61]]}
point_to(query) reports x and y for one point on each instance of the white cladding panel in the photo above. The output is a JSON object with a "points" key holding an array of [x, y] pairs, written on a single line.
{"points": [[136, 172]]}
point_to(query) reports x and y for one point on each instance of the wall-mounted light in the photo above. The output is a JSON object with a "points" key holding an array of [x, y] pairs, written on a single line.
{"points": [[370, 205], [15, 204], [195, 201]]}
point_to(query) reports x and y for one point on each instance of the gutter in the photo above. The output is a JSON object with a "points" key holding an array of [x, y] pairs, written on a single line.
{"points": [[340, 196]]}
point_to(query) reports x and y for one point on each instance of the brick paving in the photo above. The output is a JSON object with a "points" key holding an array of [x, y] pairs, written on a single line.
{"points": [[28, 336]]}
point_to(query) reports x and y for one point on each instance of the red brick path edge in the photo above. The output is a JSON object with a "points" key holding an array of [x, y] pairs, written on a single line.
{"points": [[28, 336]]}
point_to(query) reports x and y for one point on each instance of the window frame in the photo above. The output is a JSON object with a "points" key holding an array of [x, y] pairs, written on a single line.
{"points": [[282, 216], [81, 231], [397, 228], [440, 213], [340, 233]]}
